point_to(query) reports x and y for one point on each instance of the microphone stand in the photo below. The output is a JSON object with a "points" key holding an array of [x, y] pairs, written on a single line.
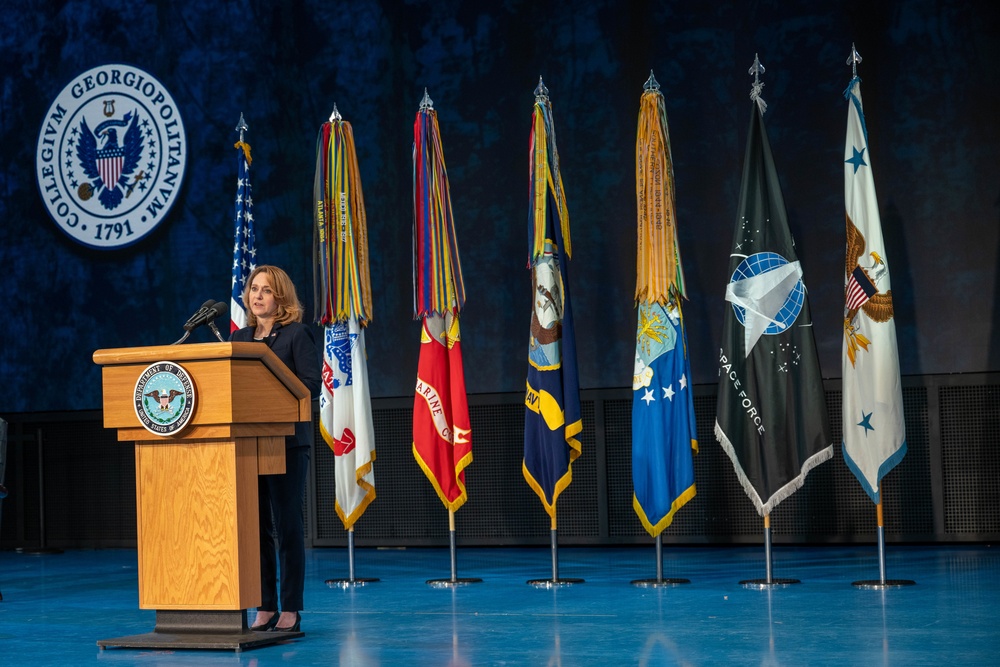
{"points": [[215, 330], [182, 338]]}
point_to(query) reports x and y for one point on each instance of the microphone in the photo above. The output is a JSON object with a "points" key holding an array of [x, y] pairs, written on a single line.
{"points": [[206, 314], [195, 319]]}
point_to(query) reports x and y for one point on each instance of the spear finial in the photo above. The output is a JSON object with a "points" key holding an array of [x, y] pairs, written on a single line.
{"points": [[335, 115], [241, 127], [854, 60], [426, 104], [651, 83], [541, 92], [758, 86]]}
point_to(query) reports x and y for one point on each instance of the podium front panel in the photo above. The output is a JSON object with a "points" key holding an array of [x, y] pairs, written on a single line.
{"points": [[198, 536]]}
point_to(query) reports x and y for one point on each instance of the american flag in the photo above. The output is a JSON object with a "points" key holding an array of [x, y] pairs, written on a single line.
{"points": [[244, 246]]}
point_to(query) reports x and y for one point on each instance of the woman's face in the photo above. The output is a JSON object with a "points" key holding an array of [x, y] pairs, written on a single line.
{"points": [[262, 302]]}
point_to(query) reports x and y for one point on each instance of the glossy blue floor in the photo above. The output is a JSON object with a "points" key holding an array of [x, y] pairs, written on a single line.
{"points": [[56, 607]]}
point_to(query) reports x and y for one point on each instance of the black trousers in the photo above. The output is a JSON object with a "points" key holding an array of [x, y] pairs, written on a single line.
{"points": [[282, 533]]}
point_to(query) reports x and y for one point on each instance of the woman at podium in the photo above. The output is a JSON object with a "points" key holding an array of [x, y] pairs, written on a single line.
{"points": [[274, 317]]}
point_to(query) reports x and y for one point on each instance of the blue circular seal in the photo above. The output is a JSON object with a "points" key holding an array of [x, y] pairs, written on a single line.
{"points": [[164, 398], [111, 156], [761, 263]]}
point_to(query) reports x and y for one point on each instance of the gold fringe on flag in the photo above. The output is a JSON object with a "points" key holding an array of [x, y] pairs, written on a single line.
{"points": [[658, 262]]}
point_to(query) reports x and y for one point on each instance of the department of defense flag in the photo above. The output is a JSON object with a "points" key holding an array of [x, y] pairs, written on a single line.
{"points": [[771, 416], [874, 433]]}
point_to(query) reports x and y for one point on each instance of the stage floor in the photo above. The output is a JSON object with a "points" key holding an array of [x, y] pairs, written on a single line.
{"points": [[56, 607]]}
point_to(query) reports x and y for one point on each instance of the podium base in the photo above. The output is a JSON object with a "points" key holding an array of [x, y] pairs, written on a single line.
{"points": [[220, 630]]}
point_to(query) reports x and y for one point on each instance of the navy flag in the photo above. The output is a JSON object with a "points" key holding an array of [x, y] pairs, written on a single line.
{"points": [[771, 418], [552, 397]]}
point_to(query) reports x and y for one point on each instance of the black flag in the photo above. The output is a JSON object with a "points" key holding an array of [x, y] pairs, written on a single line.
{"points": [[771, 415]]}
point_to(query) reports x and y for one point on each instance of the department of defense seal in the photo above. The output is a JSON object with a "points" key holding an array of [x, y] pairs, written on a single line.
{"points": [[111, 156], [164, 398]]}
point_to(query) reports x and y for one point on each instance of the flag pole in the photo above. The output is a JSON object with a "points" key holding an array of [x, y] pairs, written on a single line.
{"points": [[659, 282], [882, 582], [853, 60], [770, 581], [454, 581], [555, 581], [660, 581], [351, 581]]}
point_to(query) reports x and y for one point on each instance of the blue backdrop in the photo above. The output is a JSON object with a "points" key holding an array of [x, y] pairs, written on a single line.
{"points": [[931, 95]]}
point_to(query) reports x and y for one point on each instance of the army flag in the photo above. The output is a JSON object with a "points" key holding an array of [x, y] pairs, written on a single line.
{"points": [[442, 434], [771, 414], [244, 244], [874, 433], [344, 307], [663, 425], [552, 396]]}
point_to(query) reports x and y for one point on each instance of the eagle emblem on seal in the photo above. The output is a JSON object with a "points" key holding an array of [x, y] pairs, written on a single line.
{"points": [[110, 165], [861, 291]]}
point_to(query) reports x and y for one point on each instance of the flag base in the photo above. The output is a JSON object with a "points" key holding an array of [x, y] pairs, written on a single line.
{"points": [[761, 584], [453, 583], [659, 583], [553, 583], [349, 583], [878, 585]]}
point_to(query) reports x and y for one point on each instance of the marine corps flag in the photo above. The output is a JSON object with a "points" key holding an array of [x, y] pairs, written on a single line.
{"points": [[874, 433], [663, 426], [344, 307], [442, 435], [552, 397], [771, 417]]}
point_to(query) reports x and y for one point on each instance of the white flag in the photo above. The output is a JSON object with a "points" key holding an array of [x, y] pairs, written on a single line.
{"points": [[345, 417], [874, 433]]}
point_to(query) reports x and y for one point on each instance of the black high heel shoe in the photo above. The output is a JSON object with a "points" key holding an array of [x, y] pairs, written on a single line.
{"points": [[267, 626], [292, 628]]}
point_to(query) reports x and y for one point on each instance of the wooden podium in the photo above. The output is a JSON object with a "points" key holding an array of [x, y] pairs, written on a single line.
{"points": [[197, 521]]}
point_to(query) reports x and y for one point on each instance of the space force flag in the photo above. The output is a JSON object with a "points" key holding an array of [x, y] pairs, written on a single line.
{"points": [[553, 418], [874, 433], [771, 414], [442, 434], [663, 426], [343, 307]]}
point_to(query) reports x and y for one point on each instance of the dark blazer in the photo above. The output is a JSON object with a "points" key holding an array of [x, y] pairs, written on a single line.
{"points": [[295, 345]]}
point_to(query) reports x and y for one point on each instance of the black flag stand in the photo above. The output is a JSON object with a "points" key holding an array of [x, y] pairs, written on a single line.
{"points": [[351, 581], [770, 581], [882, 582], [555, 581], [659, 582], [454, 580]]}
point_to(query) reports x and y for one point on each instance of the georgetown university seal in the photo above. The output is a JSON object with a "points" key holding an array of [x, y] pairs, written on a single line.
{"points": [[164, 398], [111, 156]]}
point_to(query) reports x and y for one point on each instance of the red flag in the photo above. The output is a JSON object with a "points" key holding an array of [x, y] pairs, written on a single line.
{"points": [[442, 435]]}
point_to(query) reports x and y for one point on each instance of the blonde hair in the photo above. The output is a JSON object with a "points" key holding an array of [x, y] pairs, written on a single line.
{"points": [[289, 307]]}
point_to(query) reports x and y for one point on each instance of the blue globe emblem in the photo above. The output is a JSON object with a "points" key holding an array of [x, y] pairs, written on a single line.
{"points": [[758, 264]]}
